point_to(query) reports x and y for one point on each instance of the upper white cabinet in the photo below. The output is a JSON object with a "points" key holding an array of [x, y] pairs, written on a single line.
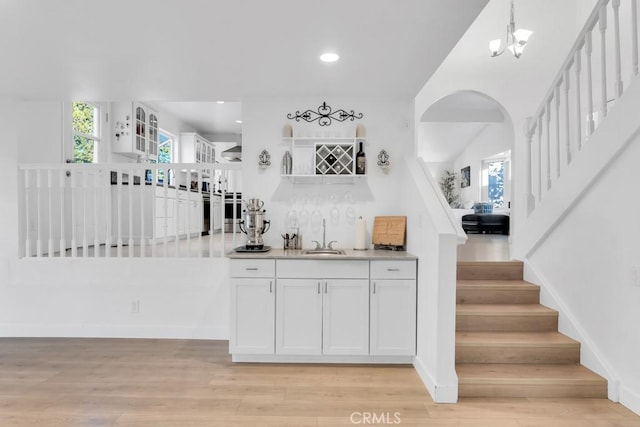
{"points": [[135, 131], [196, 149]]}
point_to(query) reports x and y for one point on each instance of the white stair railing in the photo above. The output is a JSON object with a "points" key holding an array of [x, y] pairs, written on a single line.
{"points": [[595, 74], [125, 210]]}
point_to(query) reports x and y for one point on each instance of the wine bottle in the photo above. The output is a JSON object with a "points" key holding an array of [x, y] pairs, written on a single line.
{"points": [[361, 161]]}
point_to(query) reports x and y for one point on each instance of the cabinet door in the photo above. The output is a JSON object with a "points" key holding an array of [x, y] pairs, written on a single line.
{"points": [[345, 321], [141, 130], [393, 317], [299, 316], [181, 217], [153, 136], [252, 316], [196, 217], [216, 216], [198, 150]]}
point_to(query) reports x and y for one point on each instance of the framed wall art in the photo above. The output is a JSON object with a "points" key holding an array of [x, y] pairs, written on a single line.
{"points": [[465, 177]]}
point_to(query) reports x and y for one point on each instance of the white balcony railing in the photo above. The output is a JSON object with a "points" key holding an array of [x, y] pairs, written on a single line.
{"points": [[599, 68], [127, 210]]}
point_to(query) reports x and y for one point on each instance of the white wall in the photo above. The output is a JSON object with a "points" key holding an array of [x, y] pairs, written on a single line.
{"points": [[179, 297], [185, 298], [386, 123], [40, 137], [435, 245], [596, 280], [437, 170], [495, 138]]}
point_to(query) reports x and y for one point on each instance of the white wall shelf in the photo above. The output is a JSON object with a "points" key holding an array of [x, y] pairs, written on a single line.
{"points": [[308, 164]]}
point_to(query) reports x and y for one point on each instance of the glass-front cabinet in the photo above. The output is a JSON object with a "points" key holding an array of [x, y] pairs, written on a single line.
{"points": [[196, 149], [153, 136], [135, 130]]}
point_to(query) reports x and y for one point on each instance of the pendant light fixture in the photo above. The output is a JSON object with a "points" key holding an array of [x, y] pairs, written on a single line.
{"points": [[516, 39]]}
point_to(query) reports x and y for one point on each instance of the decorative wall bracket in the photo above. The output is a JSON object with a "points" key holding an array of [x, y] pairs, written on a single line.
{"points": [[383, 159], [324, 115], [264, 159]]}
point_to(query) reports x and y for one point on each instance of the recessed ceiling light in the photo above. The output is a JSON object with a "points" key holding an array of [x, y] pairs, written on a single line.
{"points": [[219, 102], [238, 121], [329, 57]]}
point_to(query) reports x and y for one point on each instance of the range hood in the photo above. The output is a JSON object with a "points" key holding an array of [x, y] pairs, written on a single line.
{"points": [[233, 154]]}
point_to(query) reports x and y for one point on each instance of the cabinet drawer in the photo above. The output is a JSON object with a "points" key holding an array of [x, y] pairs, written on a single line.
{"points": [[325, 269], [252, 268], [393, 269]]}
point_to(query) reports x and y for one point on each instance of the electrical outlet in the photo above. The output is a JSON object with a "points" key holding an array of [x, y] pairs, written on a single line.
{"points": [[135, 306]]}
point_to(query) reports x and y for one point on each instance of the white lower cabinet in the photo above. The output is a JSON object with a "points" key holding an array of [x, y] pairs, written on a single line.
{"points": [[252, 307], [393, 308], [345, 317], [322, 316], [288, 310], [298, 316]]}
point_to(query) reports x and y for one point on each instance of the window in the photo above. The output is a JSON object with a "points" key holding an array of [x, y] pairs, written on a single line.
{"points": [[165, 148], [493, 177], [86, 132], [165, 155]]}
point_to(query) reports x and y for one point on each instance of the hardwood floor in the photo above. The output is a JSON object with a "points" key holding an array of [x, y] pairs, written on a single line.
{"points": [[145, 382], [485, 247]]}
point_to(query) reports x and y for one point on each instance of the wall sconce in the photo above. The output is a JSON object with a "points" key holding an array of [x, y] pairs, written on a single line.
{"points": [[383, 160], [264, 159]]}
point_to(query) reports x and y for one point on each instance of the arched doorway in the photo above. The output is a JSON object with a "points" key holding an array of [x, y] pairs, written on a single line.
{"points": [[471, 135]]}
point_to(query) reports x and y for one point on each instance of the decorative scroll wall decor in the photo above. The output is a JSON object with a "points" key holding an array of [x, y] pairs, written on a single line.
{"points": [[324, 115]]}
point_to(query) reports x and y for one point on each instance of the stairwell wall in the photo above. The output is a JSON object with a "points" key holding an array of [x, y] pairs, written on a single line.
{"points": [[590, 262]]}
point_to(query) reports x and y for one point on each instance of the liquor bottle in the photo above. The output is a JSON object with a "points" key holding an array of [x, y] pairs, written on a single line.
{"points": [[361, 161]]}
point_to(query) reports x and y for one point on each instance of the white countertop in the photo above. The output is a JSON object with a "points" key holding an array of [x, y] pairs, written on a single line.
{"points": [[350, 254]]}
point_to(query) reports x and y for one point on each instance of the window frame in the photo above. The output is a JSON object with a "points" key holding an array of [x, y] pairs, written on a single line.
{"points": [[506, 176], [98, 124]]}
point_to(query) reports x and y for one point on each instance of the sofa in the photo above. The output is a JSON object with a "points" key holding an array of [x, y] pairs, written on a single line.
{"points": [[485, 223]]}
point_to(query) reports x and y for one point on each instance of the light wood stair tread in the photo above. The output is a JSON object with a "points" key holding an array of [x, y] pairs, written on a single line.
{"points": [[504, 309], [528, 339], [495, 284], [487, 373]]}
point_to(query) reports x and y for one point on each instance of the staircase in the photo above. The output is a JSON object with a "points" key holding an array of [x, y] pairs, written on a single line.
{"points": [[508, 345]]}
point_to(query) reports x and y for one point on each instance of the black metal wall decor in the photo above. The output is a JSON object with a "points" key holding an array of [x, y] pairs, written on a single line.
{"points": [[324, 115]]}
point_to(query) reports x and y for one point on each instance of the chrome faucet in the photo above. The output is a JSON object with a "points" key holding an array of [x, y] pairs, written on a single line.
{"points": [[324, 234]]}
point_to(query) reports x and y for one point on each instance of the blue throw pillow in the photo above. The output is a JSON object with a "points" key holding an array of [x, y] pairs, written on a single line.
{"points": [[483, 207]]}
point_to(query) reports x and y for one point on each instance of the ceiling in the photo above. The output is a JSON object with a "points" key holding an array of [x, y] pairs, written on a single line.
{"points": [[209, 50], [207, 118]]}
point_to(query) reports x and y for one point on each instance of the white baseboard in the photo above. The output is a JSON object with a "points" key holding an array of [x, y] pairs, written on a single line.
{"points": [[440, 393], [113, 331], [630, 399], [289, 358]]}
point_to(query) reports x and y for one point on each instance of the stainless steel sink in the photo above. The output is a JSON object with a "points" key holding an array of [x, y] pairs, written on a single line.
{"points": [[323, 251]]}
